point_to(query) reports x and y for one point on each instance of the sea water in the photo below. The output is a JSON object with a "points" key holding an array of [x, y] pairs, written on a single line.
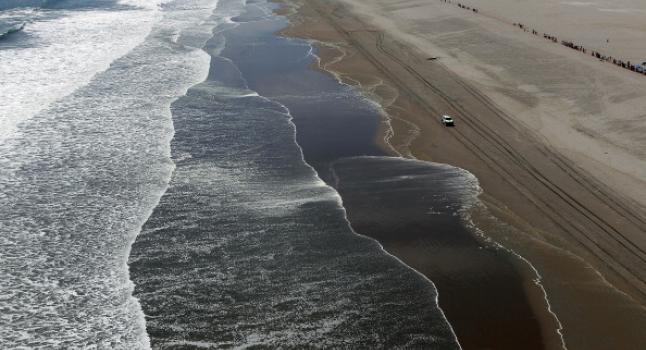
{"points": [[85, 126], [248, 246], [126, 120]]}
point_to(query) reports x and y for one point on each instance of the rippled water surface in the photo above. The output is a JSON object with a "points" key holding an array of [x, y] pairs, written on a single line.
{"points": [[84, 157], [248, 246]]}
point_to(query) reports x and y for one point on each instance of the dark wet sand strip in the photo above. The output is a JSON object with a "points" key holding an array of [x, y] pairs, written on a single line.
{"points": [[541, 200], [412, 207], [481, 289], [247, 248]]}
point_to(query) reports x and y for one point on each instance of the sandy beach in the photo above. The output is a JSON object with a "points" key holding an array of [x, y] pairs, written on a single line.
{"points": [[276, 174], [554, 136], [613, 27]]}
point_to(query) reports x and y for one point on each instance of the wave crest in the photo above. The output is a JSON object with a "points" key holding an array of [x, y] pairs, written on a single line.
{"points": [[13, 29]]}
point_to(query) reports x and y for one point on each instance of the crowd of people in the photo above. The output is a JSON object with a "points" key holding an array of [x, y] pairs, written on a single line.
{"points": [[639, 68], [463, 6]]}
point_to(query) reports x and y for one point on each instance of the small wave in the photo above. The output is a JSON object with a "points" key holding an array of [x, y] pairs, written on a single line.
{"points": [[15, 4], [12, 4], [12, 30], [73, 4], [63, 268]]}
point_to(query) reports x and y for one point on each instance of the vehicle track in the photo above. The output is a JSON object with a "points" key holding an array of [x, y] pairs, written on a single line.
{"points": [[575, 230], [626, 212], [490, 135]]}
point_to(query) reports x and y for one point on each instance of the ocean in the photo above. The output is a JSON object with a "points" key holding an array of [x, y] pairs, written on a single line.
{"points": [[249, 246], [174, 174], [85, 129], [152, 197]]}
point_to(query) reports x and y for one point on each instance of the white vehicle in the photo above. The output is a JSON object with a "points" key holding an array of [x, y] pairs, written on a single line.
{"points": [[447, 120]]}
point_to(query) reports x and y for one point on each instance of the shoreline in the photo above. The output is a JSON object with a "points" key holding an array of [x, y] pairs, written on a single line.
{"points": [[551, 328], [528, 236], [386, 97], [264, 248]]}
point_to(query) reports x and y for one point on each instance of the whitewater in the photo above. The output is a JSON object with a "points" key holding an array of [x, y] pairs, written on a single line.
{"points": [[152, 195], [85, 129], [249, 246]]}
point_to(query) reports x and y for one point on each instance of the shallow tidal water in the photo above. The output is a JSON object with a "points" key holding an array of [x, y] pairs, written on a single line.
{"points": [[248, 246], [244, 185], [415, 209]]}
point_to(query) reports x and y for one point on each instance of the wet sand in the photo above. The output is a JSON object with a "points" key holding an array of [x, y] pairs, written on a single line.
{"points": [[583, 232], [248, 248], [402, 205], [412, 208]]}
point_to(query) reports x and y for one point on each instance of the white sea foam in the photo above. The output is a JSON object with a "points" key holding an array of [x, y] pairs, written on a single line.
{"points": [[371, 101], [226, 196], [68, 49], [467, 180], [469, 200], [86, 163], [467, 217]]}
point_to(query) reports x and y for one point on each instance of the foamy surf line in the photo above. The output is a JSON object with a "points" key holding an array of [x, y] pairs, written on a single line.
{"points": [[265, 253], [370, 99], [13, 29], [370, 95], [408, 155], [68, 47], [79, 178], [559, 330]]}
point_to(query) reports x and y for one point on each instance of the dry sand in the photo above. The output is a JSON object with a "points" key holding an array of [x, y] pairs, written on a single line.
{"points": [[614, 27], [554, 136]]}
